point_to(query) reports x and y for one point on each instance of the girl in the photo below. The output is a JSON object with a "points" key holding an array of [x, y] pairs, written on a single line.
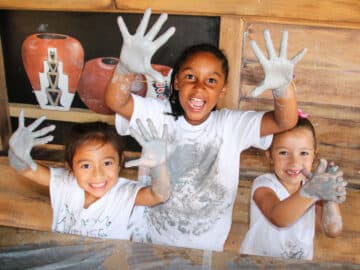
{"points": [[204, 144], [282, 207], [90, 199]]}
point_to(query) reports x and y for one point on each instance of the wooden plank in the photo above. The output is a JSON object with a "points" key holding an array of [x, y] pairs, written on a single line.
{"points": [[5, 129], [230, 42], [329, 72], [66, 5], [75, 115], [331, 10]]}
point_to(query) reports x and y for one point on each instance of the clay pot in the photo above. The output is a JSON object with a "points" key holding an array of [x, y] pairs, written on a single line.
{"points": [[93, 82], [157, 89], [53, 63]]}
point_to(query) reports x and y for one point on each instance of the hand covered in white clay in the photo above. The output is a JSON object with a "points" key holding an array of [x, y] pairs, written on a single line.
{"points": [[325, 184], [138, 49], [153, 147], [278, 69], [23, 140]]}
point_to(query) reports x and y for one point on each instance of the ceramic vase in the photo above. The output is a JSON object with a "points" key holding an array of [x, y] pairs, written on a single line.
{"points": [[93, 82], [53, 64]]}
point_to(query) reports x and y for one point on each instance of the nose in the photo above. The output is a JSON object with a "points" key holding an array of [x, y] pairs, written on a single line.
{"points": [[98, 173], [199, 85]]}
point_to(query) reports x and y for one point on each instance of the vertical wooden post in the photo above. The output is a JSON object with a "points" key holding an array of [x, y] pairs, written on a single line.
{"points": [[231, 39], [5, 129]]}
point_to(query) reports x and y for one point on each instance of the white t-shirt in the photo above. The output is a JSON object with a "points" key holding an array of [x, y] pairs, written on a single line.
{"points": [[108, 217], [266, 239], [203, 163]]}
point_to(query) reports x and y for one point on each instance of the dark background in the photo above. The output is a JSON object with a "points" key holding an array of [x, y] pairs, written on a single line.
{"points": [[99, 35]]}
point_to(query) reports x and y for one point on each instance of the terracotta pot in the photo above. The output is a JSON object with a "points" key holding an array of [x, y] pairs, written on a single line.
{"points": [[94, 79], [156, 89], [53, 63]]}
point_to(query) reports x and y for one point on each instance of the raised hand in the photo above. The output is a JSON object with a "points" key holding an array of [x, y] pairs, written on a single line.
{"points": [[138, 49], [325, 184], [278, 69], [153, 147], [23, 140]]}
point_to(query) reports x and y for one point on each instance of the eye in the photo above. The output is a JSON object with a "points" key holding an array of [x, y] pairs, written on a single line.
{"points": [[108, 163], [283, 153], [189, 77], [304, 153], [212, 81], [85, 166]]}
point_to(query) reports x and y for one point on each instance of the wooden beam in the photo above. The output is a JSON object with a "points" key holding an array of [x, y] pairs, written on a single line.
{"points": [[5, 129], [66, 5], [75, 115], [230, 42]]}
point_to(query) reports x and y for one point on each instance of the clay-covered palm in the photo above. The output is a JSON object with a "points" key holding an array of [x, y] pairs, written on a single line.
{"points": [[24, 139], [138, 49], [324, 184], [278, 69], [153, 146]]}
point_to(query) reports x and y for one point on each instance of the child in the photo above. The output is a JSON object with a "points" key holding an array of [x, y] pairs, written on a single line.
{"points": [[90, 199], [204, 144], [282, 207]]}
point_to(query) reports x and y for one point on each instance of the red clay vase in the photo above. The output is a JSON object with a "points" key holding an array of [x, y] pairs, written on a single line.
{"points": [[53, 63], [94, 79]]}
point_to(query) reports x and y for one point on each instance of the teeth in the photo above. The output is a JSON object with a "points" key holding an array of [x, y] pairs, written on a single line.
{"points": [[197, 103], [293, 172], [98, 185]]}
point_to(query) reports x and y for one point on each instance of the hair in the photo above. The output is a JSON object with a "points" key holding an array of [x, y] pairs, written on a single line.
{"points": [[92, 131], [177, 110], [304, 123]]}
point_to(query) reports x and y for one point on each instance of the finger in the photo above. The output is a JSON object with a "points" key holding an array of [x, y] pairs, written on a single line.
{"points": [[298, 56], [165, 133], [137, 136], [123, 28], [36, 123], [43, 131], [283, 46], [132, 163], [21, 119], [258, 90], [258, 53], [321, 168], [269, 45], [43, 140], [145, 134], [161, 40], [156, 27], [152, 128], [144, 22]]}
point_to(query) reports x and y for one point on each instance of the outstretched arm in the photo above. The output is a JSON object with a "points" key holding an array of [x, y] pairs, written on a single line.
{"points": [[278, 77], [154, 157], [20, 145], [135, 58]]}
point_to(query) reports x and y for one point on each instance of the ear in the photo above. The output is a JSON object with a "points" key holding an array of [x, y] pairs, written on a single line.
{"points": [[176, 84], [223, 91], [268, 156]]}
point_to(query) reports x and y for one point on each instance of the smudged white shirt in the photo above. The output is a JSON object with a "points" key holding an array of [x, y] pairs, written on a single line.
{"points": [[203, 162], [108, 217], [266, 239]]}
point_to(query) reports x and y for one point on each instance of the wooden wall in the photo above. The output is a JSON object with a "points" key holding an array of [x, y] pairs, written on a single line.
{"points": [[327, 82]]}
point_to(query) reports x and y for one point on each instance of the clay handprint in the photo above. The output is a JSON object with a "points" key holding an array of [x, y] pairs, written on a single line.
{"points": [[153, 146], [24, 139], [278, 69], [324, 184], [138, 49]]}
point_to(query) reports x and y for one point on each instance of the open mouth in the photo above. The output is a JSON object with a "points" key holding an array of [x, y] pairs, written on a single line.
{"points": [[196, 103], [97, 185], [293, 172]]}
